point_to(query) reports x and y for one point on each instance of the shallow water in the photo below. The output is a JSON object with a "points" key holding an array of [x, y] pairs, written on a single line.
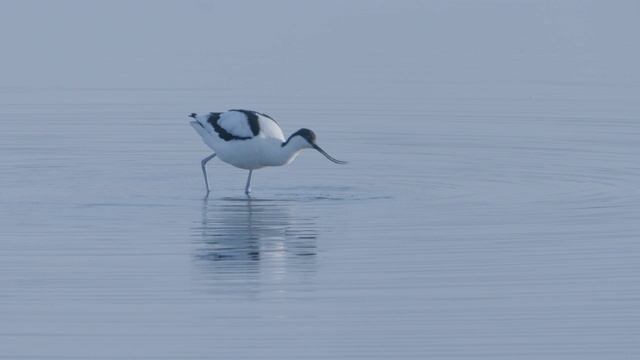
{"points": [[488, 210]]}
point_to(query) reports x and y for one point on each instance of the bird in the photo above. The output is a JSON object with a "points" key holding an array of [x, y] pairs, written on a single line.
{"points": [[250, 140]]}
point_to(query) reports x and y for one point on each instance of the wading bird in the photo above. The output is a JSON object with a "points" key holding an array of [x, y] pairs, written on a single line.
{"points": [[250, 140]]}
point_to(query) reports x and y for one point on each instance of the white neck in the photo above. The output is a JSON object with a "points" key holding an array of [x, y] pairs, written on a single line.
{"points": [[282, 155]]}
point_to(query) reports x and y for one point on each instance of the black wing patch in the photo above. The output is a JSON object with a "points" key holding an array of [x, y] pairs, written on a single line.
{"points": [[252, 117], [222, 133]]}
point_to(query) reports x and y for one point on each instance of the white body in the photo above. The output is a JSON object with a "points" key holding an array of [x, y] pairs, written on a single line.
{"points": [[250, 140], [264, 149]]}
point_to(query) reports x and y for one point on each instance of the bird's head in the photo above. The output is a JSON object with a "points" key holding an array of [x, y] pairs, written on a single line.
{"points": [[306, 139]]}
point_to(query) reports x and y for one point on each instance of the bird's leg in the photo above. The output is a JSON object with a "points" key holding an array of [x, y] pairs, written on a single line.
{"points": [[204, 170], [247, 189]]}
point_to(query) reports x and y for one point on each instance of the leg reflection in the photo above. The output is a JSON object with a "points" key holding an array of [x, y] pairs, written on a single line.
{"points": [[261, 239]]}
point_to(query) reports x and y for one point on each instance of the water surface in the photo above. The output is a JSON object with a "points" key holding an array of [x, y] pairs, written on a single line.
{"points": [[489, 208]]}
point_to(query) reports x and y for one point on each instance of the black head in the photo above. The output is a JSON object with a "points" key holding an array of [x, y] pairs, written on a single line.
{"points": [[310, 137], [306, 134]]}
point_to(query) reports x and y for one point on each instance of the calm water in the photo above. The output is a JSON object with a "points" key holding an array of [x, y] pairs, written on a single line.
{"points": [[489, 208]]}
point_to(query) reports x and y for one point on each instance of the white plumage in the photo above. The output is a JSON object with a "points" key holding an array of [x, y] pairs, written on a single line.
{"points": [[250, 140]]}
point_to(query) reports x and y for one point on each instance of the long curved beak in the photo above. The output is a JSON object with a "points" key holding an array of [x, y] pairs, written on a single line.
{"points": [[327, 155]]}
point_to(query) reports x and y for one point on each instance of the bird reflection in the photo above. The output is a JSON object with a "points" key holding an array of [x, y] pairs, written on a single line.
{"points": [[247, 240]]}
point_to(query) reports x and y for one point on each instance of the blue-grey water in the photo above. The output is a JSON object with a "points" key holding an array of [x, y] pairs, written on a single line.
{"points": [[490, 207]]}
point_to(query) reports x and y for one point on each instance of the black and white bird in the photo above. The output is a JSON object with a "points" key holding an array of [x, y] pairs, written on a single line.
{"points": [[250, 140]]}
